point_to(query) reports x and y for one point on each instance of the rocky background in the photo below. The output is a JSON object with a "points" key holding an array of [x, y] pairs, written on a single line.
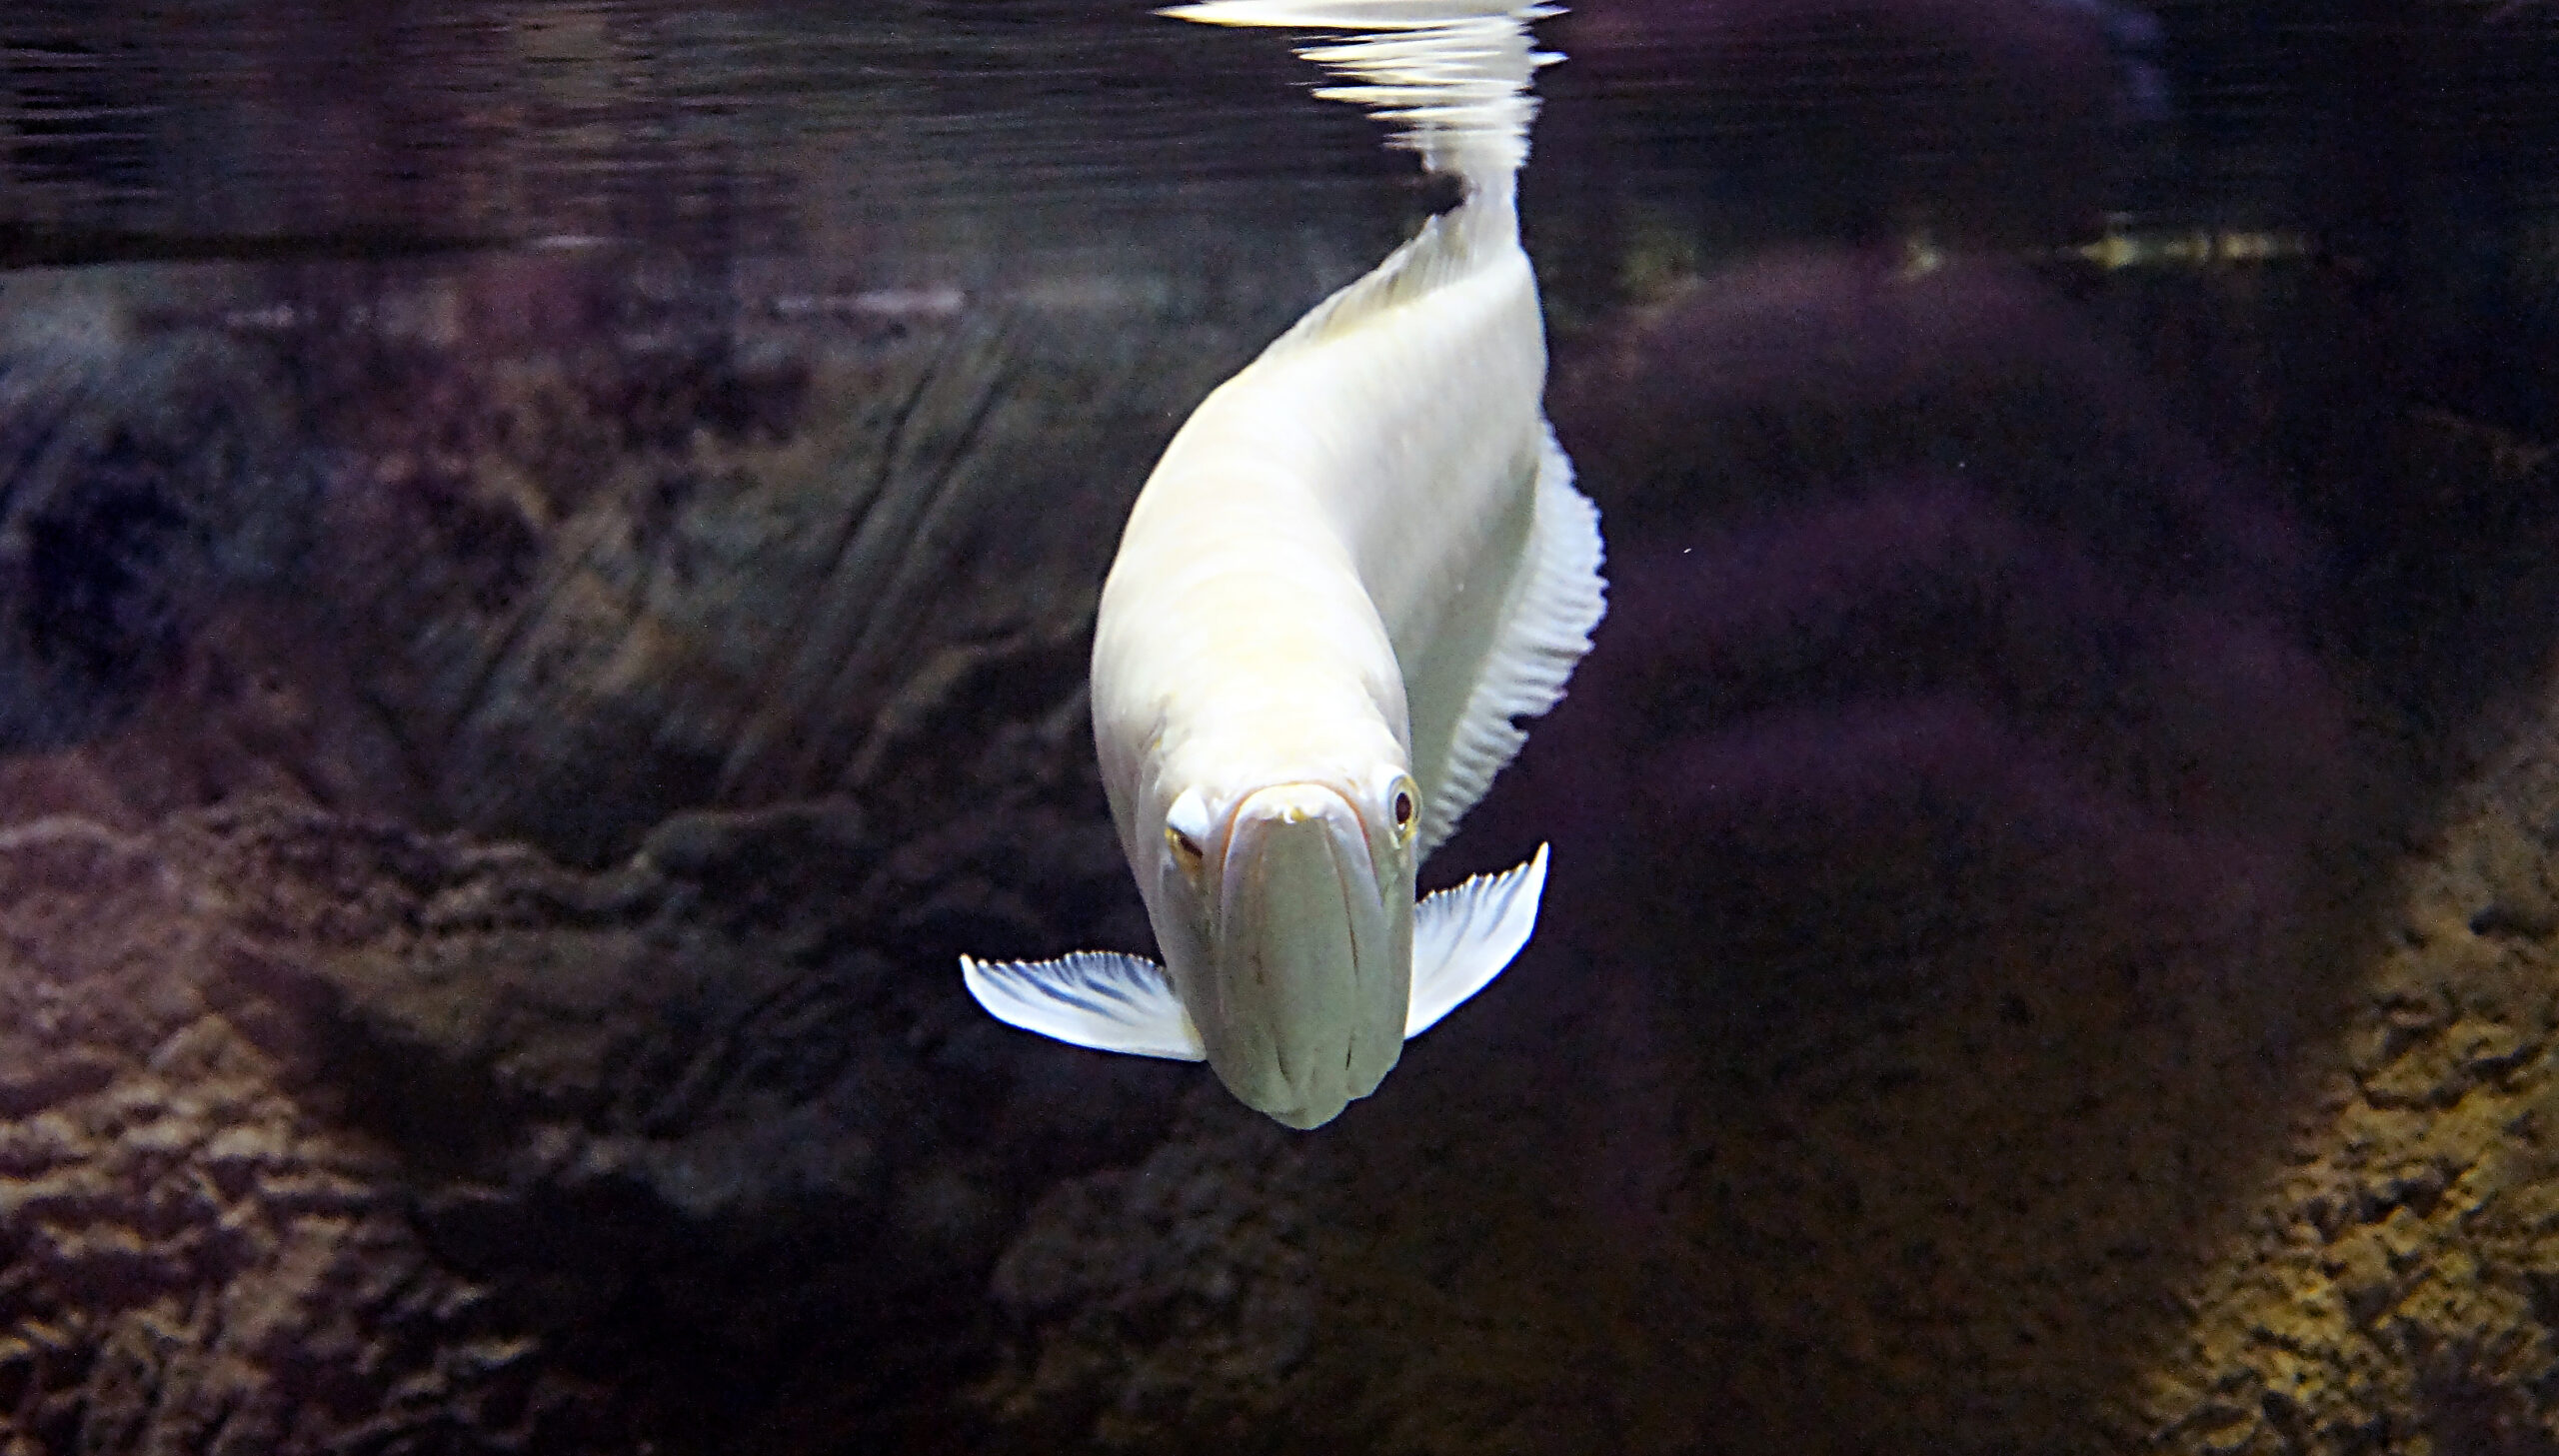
{"points": [[2049, 946]]}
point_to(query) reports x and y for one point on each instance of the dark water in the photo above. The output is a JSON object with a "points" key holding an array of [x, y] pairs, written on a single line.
{"points": [[774, 128], [779, 127], [546, 557]]}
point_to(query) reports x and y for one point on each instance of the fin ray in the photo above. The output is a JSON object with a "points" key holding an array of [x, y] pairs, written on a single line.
{"points": [[1465, 936], [1544, 631], [1095, 998]]}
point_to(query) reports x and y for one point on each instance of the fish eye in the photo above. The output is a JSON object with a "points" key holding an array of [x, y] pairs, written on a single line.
{"points": [[1186, 826]]}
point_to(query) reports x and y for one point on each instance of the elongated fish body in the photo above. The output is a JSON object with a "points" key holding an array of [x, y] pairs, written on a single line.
{"points": [[1355, 564], [1352, 508]]}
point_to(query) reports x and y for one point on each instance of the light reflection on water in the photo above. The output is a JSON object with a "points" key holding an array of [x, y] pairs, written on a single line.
{"points": [[753, 127], [774, 127]]}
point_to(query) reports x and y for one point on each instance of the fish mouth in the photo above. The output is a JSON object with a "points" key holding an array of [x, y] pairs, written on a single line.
{"points": [[1312, 994]]}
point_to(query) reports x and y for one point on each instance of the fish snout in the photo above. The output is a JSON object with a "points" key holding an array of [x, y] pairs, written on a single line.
{"points": [[1305, 838], [1314, 978], [1295, 803]]}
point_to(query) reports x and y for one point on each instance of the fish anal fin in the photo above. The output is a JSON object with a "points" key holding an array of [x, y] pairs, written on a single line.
{"points": [[1558, 598], [1463, 936], [1095, 998]]}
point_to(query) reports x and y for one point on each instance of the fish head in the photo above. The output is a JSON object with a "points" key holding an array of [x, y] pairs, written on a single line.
{"points": [[1284, 914]]}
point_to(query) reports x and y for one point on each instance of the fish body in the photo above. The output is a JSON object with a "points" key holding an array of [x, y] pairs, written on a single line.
{"points": [[1358, 560]]}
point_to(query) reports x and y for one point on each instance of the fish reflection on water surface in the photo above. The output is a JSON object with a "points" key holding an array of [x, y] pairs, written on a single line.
{"points": [[1356, 562]]}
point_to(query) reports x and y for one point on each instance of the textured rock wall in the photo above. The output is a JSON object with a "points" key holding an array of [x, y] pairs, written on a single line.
{"points": [[481, 982], [323, 1132], [326, 1131], [200, 1254], [2388, 1288], [2382, 1283], [552, 550]]}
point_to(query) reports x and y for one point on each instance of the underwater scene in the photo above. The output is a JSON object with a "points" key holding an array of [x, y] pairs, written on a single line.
{"points": [[1415, 726]]}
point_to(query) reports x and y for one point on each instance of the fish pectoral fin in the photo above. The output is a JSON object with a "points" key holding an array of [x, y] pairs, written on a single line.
{"points": [[1095, 998], [1464, 935]]}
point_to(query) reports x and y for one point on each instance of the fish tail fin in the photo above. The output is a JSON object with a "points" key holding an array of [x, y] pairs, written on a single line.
{"points": [[1487, 214], [1488, 219], [1452, 76]]}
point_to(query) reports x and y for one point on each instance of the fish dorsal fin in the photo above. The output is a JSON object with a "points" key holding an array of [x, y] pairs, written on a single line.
{"points": [[1095, 998], [1448, 247], [1556, 601], [1464, 935]]}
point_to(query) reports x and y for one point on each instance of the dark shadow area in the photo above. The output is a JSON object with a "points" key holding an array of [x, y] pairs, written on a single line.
{"points": [[137, 484], [1947, 830], [1983, 814]]}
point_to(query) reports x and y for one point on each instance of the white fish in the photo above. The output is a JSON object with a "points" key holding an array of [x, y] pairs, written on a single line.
{"points": [[1356, 562]]}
